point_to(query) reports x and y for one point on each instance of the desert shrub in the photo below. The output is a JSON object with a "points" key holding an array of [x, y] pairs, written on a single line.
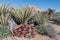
{"points": [[56, 19], [41, 18], [47, 30], [50, 14], [41, 30], [4, 31], [50, 31]]}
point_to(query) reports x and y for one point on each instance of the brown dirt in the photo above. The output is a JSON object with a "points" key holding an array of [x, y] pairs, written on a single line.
{"points": [[37, 37]]}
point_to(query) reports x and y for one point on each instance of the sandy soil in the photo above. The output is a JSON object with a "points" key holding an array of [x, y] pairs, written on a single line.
{"points": [[37, 37]]}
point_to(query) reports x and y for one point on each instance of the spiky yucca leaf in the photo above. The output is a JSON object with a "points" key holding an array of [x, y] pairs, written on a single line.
{"points": [[4, 31], [23, 14], [41, 17], [3, 16]]}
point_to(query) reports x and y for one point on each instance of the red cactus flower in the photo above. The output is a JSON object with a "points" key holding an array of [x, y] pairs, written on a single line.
{"points": [[25, 32], [28, 27], [23, 27], [19, 30], [19, 35]]}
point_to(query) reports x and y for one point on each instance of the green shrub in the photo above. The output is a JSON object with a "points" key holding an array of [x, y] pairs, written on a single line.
{"points": [[41, 30], [50, 31], [40, 19], [47, 30], [57, 20], [4, 31]]}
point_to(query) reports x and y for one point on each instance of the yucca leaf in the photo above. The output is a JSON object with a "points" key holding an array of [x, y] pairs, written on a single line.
{"points": [[23, 14]]}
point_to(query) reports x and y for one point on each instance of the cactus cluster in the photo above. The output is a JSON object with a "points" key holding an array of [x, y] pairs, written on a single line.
{"points": [[24, 30]]}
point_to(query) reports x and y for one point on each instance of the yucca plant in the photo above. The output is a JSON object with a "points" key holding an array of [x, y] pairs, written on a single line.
{"points": [[4, 31], [41, 19], [22, 14], [51, 13], [3, 15]]}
